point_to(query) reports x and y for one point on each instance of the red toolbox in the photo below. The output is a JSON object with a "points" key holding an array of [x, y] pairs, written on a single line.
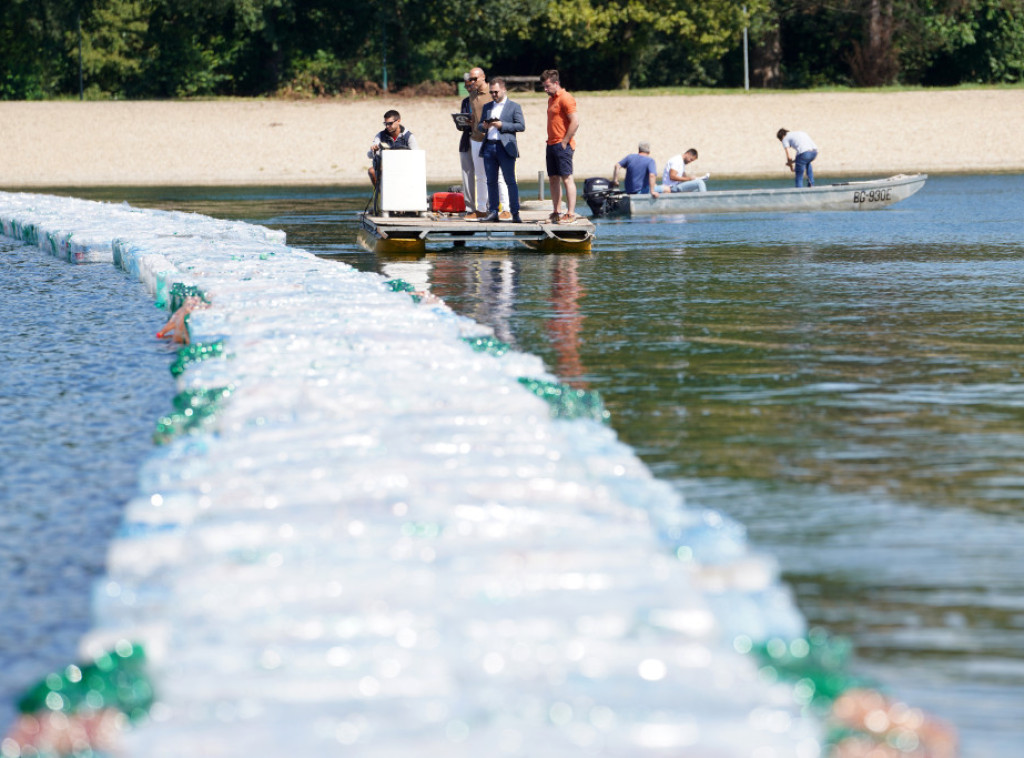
{"points": [[448, 202]]}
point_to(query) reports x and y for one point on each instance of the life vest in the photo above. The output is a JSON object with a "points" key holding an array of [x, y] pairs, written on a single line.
{"points": [[401, 142]]}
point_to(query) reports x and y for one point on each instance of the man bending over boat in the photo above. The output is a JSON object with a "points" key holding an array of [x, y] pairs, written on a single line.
{"points": [[393, 136], [804, 153], [676, 178], [641, 172]]}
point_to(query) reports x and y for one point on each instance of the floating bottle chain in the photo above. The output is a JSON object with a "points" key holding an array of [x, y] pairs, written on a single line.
{"points": [[567, 402], [192, 409]]}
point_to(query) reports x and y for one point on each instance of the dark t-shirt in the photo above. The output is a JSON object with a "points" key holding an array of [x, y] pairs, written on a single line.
{"points": [[638, 170]]}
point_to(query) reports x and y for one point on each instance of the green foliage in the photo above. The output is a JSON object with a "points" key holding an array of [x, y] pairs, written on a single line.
{"points": [[439, 39], [316, 75], [188, 48], [632, 38], [113, 44], [809, 57], [939, 42], [982, 43], [1002, 38], [32, 65]]}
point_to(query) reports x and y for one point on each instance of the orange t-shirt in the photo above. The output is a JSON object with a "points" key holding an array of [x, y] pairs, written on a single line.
{"points": [[560, 107]]}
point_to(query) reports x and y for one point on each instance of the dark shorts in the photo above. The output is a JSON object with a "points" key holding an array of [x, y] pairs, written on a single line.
{"points": [[559, 160]]}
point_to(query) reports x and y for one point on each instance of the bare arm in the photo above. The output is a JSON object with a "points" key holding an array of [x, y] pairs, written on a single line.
{"points": [[570, 132], [654, 183], [615, 175], [676, 176]]}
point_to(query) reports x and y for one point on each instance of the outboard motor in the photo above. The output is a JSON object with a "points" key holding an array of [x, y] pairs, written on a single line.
{"points": [[600, 196]]}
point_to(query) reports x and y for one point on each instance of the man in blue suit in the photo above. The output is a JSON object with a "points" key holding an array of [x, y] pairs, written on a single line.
{"points": [[500, 121]]}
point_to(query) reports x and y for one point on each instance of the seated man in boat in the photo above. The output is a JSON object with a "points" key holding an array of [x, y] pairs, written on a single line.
{"points": [[641, 172], [393, 136], [676, 178]]}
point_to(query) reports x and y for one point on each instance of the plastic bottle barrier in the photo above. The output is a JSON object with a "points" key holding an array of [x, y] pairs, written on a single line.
{"points": [[373, 529]]}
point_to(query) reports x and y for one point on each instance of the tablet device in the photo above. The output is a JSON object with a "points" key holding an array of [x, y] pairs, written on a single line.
{"points": [[463, 120]]}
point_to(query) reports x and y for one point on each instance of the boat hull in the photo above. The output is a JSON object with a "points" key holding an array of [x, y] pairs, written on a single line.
{"points": [[847, 196]]}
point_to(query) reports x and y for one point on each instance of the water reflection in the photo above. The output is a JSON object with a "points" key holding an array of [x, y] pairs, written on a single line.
{"points": [[491, 290], [847, 385], [566, 326]]}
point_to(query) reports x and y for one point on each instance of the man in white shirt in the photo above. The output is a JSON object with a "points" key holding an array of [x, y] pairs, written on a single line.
{"points": [[676, 179], [804, 152]]}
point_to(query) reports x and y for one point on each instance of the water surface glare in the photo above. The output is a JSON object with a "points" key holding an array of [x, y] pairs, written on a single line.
{"points": [[847, 385], [82, 384]]}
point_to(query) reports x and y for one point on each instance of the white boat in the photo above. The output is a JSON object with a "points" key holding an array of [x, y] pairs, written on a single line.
{"points": [[844, 196]]}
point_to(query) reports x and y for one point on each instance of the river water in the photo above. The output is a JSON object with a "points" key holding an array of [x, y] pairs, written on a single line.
{"points": [[82, 382], [847, 385]]}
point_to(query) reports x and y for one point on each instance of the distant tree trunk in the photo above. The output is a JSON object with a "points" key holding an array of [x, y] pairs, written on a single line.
{"points": [[766, 56], [874, 62], [398, 51], [626, 58]]}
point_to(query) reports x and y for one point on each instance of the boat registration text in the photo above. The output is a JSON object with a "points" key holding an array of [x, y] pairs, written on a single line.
{"points": [[872, 196]]}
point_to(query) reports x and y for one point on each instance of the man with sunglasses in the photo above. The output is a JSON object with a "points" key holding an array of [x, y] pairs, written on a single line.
{"points": [[474, 176], [393, 136], [499, 123]]}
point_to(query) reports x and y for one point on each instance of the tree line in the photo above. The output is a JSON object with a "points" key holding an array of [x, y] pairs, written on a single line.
{"points": [[190, 48]]}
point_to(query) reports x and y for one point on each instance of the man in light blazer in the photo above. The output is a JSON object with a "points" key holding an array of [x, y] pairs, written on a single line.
{"points": [[500, 122], [474, 177]]}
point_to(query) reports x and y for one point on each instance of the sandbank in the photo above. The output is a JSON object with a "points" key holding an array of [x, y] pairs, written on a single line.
{"points": [[323, 142]]}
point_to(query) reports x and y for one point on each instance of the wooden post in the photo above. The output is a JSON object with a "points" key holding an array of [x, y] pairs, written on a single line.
{"points": [[540, 185]]}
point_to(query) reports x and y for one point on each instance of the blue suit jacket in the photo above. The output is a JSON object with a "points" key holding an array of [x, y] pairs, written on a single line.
{"points": [[512, 121]]}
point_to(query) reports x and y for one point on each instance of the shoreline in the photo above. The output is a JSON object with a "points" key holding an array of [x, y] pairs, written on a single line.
{"points": [[316, 143]]}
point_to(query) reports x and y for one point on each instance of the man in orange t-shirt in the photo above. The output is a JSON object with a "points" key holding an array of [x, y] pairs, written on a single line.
{"points": [[563, 121]]}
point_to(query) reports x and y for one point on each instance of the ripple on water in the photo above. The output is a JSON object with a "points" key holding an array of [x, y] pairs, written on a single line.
{"points": [[82, 384]]}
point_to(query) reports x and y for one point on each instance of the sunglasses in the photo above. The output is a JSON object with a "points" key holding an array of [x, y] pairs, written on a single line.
{"points": [[495, 92], [389, 123], [472, 78]]}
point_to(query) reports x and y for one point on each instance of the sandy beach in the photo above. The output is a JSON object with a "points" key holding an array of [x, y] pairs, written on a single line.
{"points": [[324, 142]]}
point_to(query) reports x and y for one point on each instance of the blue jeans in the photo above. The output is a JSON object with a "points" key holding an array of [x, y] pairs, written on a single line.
{"points": [[693, 185], [496, 158], [802, 165]]}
